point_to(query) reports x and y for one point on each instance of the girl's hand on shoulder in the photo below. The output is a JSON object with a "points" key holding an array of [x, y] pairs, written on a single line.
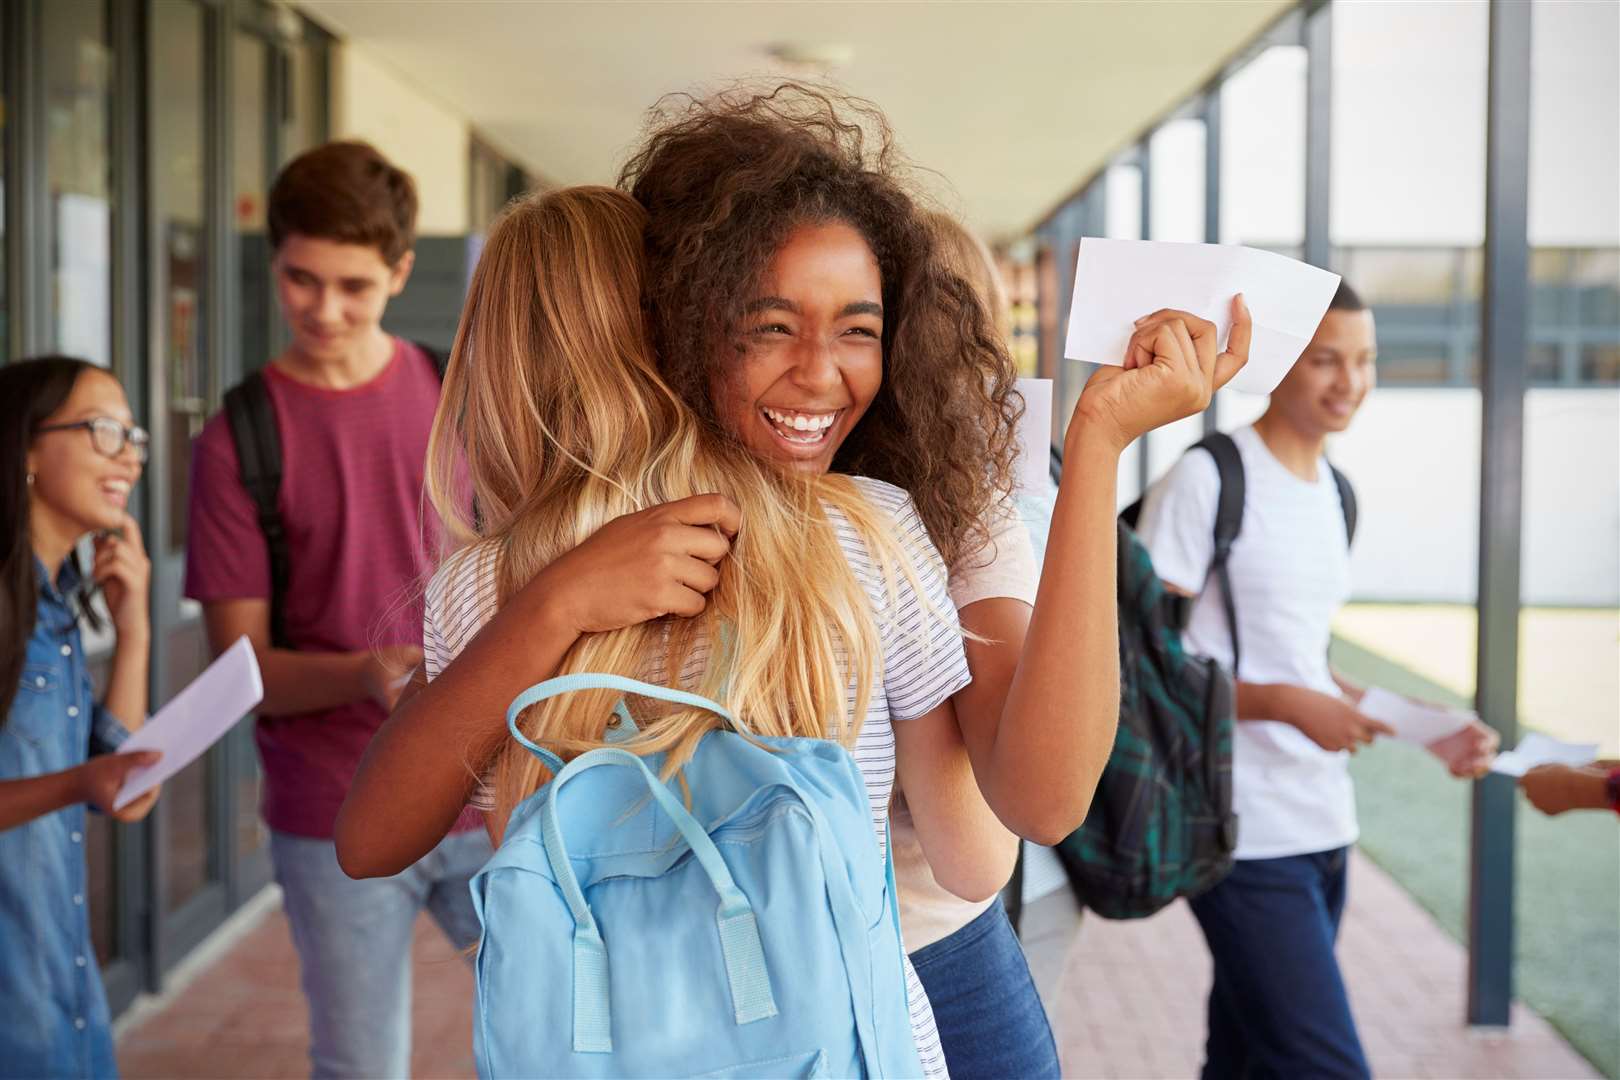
{"points": [[102, 778], [124, 573], [1172, 369], [643, 566]]}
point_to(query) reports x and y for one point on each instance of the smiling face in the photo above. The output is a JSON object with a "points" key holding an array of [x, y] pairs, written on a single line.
{"points": [[1333, 376], [332, 294], [812, 358], [77, 489]]}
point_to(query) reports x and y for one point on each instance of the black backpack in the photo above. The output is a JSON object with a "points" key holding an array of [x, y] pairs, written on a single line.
{"points": [[1161, 824], [252, 420]]}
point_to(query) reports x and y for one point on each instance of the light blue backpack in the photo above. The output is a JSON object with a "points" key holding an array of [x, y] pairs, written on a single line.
{"points": [[756, 935]]}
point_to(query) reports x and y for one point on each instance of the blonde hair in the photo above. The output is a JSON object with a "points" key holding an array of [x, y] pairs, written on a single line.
{"points": [[969, 257], [554, 421]]}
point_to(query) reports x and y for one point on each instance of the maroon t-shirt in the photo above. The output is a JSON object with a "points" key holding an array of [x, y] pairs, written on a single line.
{"points": [[359, 539]]}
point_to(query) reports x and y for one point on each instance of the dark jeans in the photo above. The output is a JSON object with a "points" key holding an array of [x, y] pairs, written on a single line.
{"points": [[991, 1022], [1278, 1007]]}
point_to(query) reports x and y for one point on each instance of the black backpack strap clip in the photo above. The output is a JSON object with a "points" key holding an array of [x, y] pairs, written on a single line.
{"points": [[252, 420]]}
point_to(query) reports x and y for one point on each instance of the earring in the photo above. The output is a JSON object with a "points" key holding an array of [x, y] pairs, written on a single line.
{"points": [[30, 479]]}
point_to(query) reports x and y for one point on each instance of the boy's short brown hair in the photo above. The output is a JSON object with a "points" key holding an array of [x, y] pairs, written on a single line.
{"points": [[345, 192]]}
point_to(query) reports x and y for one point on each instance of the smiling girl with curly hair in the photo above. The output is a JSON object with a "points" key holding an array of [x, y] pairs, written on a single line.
{"points": [[804, 302]]}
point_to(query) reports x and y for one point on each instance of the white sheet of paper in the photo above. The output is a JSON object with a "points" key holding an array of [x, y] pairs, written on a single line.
{"points": [[1117, 282], [1538, 749], [195, 719], [1413, 721], [1035, 435]]}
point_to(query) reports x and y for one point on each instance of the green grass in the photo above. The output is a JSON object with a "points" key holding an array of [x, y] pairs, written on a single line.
{"points": [[1414, 823]]}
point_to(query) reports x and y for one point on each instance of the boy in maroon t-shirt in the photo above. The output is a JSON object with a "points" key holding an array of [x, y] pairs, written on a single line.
{"points": [[353, 407]]}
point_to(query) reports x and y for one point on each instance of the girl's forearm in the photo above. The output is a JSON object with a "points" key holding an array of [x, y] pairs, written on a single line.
{"points": [[126, 685], [22, 801], [424, 762], [1040, 757]]}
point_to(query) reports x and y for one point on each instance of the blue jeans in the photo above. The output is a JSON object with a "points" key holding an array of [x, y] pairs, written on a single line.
{"points": [[991, 1022], [1278, 1007], [354, 945]]}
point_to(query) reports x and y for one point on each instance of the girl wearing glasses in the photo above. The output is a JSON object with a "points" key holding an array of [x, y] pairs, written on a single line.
{"points": [[69, 456]]}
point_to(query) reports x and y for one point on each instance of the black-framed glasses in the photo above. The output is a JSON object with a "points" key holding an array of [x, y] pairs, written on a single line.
{"points": [[108, 436]]}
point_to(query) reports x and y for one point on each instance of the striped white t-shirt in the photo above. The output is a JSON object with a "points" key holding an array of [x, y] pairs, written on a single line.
{"points": [[922, 663]]}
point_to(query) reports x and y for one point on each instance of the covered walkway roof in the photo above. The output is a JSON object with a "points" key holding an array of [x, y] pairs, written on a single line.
{"points": [[1014, 103]]}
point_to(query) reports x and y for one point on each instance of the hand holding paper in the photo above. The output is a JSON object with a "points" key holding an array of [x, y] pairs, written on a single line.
{"points": [[194, 720], [1413, 722], [1118, 281], [1538, 749]]}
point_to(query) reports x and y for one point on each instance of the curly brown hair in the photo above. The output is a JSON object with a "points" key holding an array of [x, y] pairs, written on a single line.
{"points": [[725, 179]]}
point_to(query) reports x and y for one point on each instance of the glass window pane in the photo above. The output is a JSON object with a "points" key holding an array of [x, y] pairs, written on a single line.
{"points": [[179, 200], [306, 71], [186, 811], [1263, 151], [1545, 363], [1177, 180], [1595, 276], [1406, 362], [250, 136], [77, 63], [1600, 364], [1122, 202]]}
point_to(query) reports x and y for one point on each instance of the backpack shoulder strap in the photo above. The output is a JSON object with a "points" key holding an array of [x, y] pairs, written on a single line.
{"points": [[440, 357], [1228, 522], [1347, 500], [252, 420]]}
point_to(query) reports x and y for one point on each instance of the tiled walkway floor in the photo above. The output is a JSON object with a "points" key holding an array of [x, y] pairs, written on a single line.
{"points": [[1126, 1000], [244, 1016]]}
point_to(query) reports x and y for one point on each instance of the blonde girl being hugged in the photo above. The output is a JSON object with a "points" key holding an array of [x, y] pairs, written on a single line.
{"points": [[614, 532]]}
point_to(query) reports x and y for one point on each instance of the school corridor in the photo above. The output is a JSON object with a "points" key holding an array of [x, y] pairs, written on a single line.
{"points": [[1126, 999]]}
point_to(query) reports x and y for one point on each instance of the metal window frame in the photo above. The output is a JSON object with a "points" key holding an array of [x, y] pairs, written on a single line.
{"points": [[1504, 325]]}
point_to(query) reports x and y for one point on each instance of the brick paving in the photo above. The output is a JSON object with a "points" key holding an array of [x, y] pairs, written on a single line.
{"points": [[1126, 1000]]}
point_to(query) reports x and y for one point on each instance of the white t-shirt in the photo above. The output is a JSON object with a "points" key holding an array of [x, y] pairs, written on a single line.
{"points": [[919, 669], [1005, 567], [1290, 573]]}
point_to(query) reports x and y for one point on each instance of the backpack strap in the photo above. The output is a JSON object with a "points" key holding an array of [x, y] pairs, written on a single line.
{"points": [[1228, 523], [1347, 501], [740, 943], [252, 420], [440, 358]]}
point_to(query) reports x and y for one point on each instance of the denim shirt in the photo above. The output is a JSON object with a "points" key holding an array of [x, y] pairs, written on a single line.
{"points": [[53, 1010]]}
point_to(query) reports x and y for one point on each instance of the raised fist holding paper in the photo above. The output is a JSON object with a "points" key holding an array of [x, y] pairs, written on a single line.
{"points": [[1172, 367]]}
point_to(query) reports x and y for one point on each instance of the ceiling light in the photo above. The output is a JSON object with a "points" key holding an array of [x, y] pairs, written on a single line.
{"points": [[813, 57]]}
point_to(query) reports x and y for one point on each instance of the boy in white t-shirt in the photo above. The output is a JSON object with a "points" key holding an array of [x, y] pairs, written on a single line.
{"points": [[1278, 1005]]}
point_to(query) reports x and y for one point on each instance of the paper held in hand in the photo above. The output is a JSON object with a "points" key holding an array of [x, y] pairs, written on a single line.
{"points": [[1118, 281], [195, 719], [1538, 749], [1413, 721]]}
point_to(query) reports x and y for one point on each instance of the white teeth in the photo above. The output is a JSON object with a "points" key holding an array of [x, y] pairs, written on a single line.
{"points": [[801, 421]]}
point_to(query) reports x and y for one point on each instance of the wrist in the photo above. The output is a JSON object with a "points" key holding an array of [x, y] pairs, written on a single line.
{"points": [[133, 632], [1092, 437], [546, 603], [77, 786]]}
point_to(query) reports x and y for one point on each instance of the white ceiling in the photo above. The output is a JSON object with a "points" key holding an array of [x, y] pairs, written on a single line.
{"points": [[1012, 104]]}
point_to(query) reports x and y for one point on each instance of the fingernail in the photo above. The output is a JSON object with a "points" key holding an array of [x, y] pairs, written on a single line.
{"points": [[1140, 321]]}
